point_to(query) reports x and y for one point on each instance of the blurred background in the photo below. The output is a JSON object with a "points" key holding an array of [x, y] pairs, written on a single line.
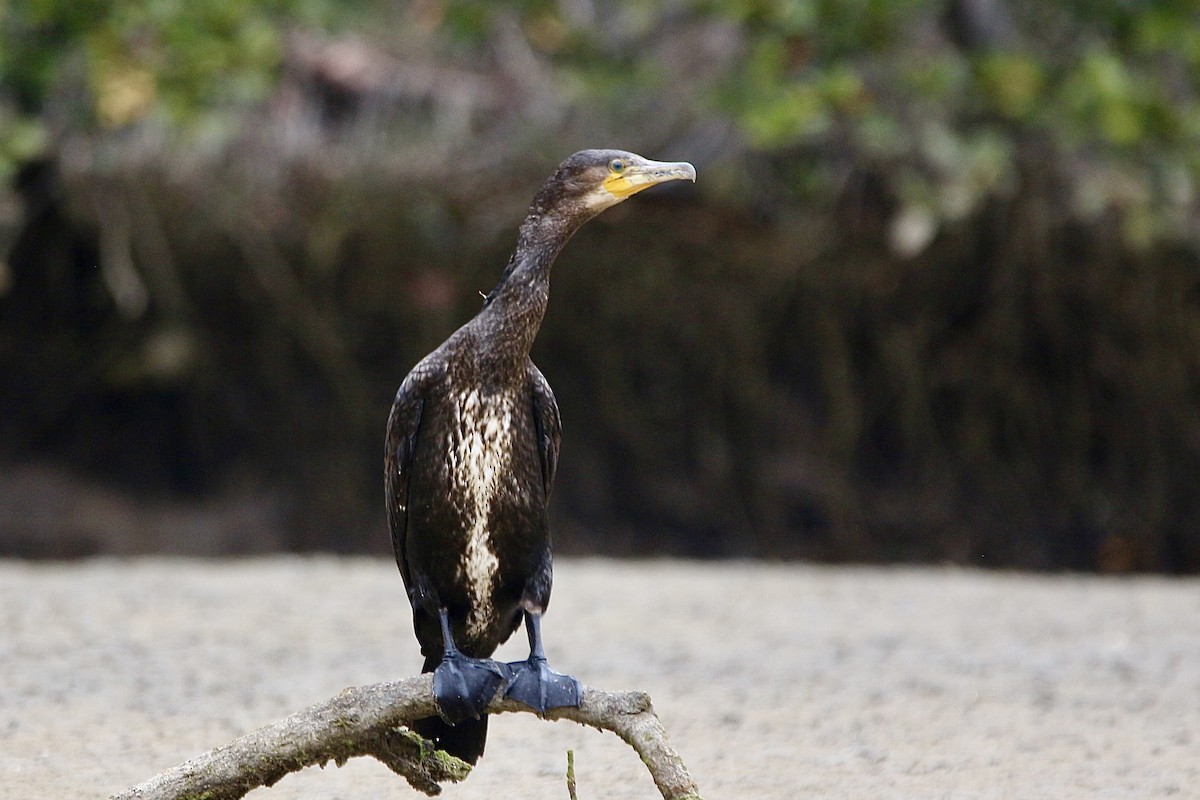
{"points": [[935, 297]]}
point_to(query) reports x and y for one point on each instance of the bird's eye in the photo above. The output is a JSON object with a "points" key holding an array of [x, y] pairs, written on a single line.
{"points": [[617, 166]]}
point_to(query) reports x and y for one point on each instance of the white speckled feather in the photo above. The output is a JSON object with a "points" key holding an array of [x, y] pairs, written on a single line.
{"points": [[479, 456]]}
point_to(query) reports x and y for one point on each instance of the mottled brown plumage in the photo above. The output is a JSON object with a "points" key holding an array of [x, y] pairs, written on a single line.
{"points": [[472, 449]]}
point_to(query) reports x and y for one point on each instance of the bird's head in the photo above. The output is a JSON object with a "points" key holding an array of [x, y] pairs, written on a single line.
{"points": [[582, 186], [592, 180]]}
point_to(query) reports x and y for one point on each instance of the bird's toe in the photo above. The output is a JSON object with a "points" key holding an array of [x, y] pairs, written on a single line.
{"points": [[464, 686], [541, 688]]}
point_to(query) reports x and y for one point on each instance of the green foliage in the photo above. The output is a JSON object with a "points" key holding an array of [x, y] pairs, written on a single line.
{"points": [[974, 241], [1112, 81], [22, 138], [175, 59], [1111, 85]]}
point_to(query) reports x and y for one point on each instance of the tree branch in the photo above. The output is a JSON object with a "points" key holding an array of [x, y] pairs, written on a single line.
{"points": [[370, 721]]}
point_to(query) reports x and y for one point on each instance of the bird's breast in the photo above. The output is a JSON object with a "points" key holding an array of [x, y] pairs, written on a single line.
{"points": [[480, 454], [480, 448]]}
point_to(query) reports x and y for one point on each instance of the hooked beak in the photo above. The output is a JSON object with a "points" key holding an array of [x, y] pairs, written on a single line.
{"points": [[644, 173]]}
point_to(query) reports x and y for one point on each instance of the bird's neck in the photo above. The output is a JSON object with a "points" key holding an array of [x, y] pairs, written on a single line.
{"points": [[513, 311]]}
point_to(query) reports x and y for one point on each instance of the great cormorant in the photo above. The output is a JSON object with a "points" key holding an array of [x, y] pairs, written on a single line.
{"points": [[472, 447]]}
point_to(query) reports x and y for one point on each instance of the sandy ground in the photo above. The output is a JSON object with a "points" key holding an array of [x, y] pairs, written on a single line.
{"points": [[775, 681]]}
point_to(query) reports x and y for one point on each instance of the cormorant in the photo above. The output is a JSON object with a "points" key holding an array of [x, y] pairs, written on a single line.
{"points": [[472, 447]]}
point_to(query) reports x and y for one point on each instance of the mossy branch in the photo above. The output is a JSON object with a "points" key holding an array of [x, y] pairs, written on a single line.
{"points": [[371, 721]]}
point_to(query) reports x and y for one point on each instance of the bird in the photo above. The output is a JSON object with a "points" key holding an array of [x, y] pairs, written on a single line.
{"points": [[471, 453]]}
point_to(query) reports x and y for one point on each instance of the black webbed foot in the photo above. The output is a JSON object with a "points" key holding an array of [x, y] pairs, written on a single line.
{"points": [[464, 686], [541, 688], [534, 683]]}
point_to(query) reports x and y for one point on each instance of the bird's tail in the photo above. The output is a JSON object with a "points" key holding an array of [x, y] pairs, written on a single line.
{"points": [[465, 740]]}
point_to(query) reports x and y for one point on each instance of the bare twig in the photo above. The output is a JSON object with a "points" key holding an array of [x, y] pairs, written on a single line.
{"points": [[369, 721]]}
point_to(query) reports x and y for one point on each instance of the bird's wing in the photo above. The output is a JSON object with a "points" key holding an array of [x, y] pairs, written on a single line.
{"points": [[403, 423], [547, 424]]}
